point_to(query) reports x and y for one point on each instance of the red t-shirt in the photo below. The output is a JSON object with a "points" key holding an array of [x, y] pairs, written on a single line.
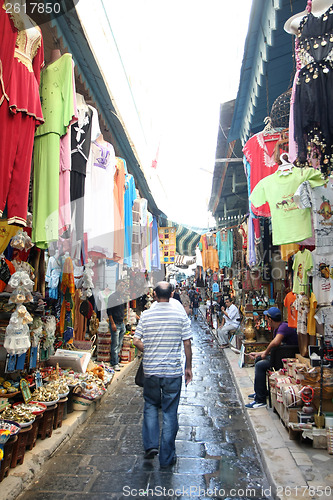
{"points": [[259, 152]]}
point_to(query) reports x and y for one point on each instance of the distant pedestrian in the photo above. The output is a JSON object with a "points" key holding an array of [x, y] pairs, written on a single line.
{"points": [[159, 335], [195, 305], [185, 300], [176, 294]]}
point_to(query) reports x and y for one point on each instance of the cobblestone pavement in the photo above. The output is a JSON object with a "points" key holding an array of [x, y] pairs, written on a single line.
{"points": [[217, 456]]}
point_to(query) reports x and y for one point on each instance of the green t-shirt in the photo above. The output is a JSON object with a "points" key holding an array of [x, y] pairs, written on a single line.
{"points": [[290, 224], [302, 264]]}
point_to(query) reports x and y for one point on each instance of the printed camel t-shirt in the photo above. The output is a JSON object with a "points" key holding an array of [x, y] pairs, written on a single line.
{"points": [[290, 224], [322, 280], [302, 264], [321, 200]]}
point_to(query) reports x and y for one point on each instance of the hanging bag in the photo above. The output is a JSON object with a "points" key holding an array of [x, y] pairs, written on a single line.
{"points": [[139, 377]]}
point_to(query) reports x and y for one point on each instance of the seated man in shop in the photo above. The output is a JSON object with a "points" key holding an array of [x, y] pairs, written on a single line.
{"points": [[282, 335], [230, 321]]}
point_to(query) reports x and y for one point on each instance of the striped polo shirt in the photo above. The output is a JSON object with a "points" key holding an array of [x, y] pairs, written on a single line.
{"points": [[162, 330]]}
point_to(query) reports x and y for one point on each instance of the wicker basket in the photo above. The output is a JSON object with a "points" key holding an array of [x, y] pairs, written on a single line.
{"points": [[80, 402]]}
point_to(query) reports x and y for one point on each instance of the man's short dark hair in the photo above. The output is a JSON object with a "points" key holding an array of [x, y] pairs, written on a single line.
{"points": [[118, 282], [163, 290]]}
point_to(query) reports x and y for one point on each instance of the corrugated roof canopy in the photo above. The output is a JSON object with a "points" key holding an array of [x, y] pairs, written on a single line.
{"points": [[268, 65]]}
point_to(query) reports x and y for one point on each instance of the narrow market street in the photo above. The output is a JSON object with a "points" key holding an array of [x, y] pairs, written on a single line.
{"points": [[217, 456]]}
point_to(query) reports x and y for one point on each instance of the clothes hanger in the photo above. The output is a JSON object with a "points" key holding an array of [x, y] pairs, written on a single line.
{"points": [[286, 167], [269, 129]]}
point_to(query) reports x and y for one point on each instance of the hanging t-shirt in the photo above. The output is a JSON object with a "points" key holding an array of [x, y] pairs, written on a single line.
{"points": [[325, 317], [98, 199], [321, 200], [259, 152], [119, 193], [302, 307], [301, 266], [322, 277], [290, 224], [311, 315], [129, 198], [289, 303]]}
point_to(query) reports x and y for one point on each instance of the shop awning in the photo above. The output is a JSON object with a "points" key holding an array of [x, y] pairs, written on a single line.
{"points": [[187, 238]]}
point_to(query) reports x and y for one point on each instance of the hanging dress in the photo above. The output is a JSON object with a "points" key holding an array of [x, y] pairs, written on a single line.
{"points": [[313, 121], [21, 59]]}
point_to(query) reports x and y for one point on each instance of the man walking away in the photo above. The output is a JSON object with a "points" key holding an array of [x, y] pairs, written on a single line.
{"points": [[160, 334], [116, 313]]}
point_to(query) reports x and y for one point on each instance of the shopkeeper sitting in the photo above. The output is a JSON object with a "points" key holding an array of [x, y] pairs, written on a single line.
{"points": [[230, 321], [282, 335]]}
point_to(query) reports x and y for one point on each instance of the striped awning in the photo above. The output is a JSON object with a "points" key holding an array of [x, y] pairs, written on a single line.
{"points": [[187, 239]]}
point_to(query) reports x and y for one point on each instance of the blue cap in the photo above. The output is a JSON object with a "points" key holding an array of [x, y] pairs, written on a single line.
{"points": [[274, 313]]}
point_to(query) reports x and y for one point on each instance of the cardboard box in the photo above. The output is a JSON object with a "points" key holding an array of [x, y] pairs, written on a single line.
{"points": [[77, 360]]}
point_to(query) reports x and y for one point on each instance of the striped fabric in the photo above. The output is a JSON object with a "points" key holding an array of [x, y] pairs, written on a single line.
{"points": [[162, 330]]}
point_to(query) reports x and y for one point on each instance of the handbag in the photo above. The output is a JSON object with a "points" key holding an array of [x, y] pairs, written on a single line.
{"points": [[139, 377]]}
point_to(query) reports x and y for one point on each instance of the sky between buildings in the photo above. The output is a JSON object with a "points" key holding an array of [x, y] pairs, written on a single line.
{"points": [[169, 65]]}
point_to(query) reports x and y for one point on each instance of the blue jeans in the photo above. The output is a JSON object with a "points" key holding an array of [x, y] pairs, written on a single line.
{"points": [[260, 385], [117, 342], [161, 392]]}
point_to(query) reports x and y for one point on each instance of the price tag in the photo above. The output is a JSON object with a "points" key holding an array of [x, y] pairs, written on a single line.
{"points": [[25, 391], [38, 379]]}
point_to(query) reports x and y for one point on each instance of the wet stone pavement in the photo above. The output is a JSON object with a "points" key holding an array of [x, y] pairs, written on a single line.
{"points": [[217, 456]]}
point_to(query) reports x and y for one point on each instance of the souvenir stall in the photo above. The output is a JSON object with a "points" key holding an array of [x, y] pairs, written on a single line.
{"points": [[290, 192], [87, 226]]}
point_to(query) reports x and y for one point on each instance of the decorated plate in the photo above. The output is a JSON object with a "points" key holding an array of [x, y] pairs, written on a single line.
{"points": [[35, 407], [47, 403], [61, 396], [26, 424], [10, 425]]}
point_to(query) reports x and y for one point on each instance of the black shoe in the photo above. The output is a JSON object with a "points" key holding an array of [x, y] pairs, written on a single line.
{"points": [[173, 461], [151, 453]]}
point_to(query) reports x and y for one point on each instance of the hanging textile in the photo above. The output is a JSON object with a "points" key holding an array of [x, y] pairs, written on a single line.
{"points": [[320, 199], [21, 59], [80, 148], [289, 223], [314, 90], [99, 198], [58, 105], [259, 153], [119, 192], [67, 307], [224, 241], [129, 198]]}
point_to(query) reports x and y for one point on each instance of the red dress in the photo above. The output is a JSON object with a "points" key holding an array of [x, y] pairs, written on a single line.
{"points": [[21, 59]]}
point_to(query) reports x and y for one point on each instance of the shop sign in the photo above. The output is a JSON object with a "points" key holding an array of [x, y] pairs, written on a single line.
{"points": [[25, 391], [216, 288], [167, 237]]}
